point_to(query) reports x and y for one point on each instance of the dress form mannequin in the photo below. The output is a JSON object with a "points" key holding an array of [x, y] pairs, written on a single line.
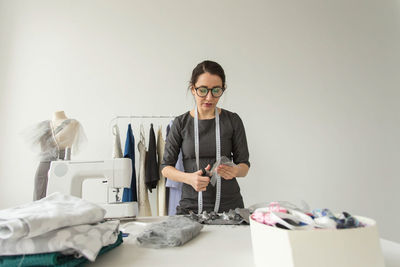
{"points": [[51, 138], [63, 137]]}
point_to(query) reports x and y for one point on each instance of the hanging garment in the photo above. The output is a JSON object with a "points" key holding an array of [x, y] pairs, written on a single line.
{"points": [[44, 140], [161, 190], [130, 194], [41, 177], [144, 204], [152, 170], [117, 151], [175, 188], [169, 127]]}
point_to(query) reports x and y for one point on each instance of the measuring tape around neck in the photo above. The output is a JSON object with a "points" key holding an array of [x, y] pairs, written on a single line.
{"points": [[218, 156]]}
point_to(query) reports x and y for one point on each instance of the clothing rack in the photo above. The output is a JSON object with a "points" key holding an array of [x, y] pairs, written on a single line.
{"points": [[141, 117], [144, 116], [115, 120]]}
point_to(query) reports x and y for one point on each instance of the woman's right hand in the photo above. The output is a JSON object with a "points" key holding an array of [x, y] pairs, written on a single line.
{"points": [[199, 182]]}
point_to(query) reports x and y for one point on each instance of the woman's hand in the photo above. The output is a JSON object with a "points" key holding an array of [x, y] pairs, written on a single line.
{"points": [[228, 172], [199, 182]]}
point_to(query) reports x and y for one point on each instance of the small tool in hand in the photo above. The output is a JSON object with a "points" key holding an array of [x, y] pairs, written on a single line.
{"points": [[204, 172]]}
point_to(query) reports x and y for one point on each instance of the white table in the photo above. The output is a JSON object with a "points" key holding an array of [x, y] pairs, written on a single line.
{"points": [[215, 246]]}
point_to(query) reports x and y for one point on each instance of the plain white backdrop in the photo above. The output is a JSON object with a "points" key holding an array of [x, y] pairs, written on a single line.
{"points": [[315, 82]]}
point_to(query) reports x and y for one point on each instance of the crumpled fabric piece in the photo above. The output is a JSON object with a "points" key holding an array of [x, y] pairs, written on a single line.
{"points": [[213, 172], [173, 232], [343, 221], [232, 217], [286, 215]]}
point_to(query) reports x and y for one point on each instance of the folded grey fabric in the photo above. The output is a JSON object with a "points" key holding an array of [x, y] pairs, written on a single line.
{"points": [[85, 240], [47, 214], [173, 232]]}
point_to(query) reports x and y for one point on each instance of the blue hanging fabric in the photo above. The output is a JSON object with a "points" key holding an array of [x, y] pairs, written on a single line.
{"points": [[130, 194], [175, 188]]}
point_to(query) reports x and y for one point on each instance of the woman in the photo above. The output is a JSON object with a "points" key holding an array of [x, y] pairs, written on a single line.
{"points": [[207, 86]]}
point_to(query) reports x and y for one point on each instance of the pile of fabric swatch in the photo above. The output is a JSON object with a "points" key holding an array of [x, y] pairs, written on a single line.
{"points": [[285, 215], [232, 217], [58, 230]]}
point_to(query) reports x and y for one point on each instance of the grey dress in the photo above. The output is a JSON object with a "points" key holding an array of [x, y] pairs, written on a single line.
{"points": [[233, 145], [50, 152]]}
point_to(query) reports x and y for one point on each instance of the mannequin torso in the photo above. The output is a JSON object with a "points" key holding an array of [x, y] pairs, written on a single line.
{"points": [[63, 135]]}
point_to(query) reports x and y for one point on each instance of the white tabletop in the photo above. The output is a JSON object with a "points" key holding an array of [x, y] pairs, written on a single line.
{"points": [[215, 246]]}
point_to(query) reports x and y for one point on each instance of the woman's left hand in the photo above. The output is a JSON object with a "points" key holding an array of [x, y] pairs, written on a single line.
{"points": [[227, 172]]}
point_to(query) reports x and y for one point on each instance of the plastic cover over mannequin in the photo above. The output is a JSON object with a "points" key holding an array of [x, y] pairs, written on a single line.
{"points": [[42, 141]]}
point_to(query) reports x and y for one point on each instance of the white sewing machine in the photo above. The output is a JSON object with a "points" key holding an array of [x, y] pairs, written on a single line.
{"points": [[67, 177]]}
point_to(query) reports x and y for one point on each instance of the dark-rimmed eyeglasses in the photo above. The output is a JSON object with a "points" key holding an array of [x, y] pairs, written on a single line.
{"points": [[202, 91]]}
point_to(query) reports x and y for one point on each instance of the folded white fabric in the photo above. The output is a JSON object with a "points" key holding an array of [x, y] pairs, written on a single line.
{"points": [[85, 240], [49, 213]]}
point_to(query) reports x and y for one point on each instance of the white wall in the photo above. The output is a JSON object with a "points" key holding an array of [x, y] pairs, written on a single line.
{"points": [[315, 82]]}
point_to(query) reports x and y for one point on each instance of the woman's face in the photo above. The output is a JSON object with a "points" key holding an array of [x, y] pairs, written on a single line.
{"points": [[209, 102]]}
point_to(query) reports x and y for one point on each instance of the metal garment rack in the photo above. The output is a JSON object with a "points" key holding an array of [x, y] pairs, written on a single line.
{"points": [[142, 117], [115, 119]]}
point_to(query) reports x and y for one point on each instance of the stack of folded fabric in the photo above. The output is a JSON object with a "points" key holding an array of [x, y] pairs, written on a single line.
{"points": [[288, 216], [59, 230]]}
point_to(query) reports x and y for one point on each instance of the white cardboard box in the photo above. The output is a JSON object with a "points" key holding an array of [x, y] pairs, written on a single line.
{"points": [[357, 247]]}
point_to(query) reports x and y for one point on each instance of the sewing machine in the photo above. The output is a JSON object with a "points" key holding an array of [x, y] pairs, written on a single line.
{"points": [[67, 177]]}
